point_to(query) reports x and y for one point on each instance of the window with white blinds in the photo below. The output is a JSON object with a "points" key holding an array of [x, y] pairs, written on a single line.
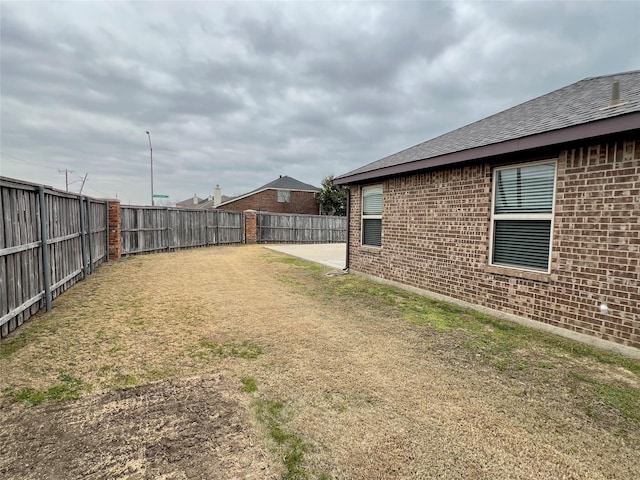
{"points": [[522, 216], [372, 216]]}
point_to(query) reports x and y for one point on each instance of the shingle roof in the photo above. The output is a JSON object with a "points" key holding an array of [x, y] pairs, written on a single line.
{"points": [[286, 183], [282, 183], [579, 103], [189, 201]]}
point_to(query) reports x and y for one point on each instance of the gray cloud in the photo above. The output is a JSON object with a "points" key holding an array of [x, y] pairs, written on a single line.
{"points": [[238, 93]]}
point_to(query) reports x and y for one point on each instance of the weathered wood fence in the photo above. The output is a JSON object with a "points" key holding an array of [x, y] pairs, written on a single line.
{"points": [[50, 239], [73, 231], [161, 229], [289, 228]]}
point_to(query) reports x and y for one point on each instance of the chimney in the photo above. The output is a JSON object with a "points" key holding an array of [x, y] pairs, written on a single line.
{"points": [[195, 199], [217, 196]]}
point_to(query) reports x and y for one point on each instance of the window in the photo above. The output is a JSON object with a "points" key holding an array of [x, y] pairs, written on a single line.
{"points": [[283, 196], [372, 216], [522, 215]]}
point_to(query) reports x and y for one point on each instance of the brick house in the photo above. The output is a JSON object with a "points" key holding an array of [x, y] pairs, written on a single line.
{"points": [[282, 195], [532, 214]]}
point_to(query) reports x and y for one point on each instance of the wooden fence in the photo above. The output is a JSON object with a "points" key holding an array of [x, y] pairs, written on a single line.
{"points": [[74, 231], [290, 228], [160, 229]]}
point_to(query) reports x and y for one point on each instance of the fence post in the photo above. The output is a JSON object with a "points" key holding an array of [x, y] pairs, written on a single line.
{"points": [[114, 226], [206, 228], [106, 230], [46, 265], [89, 227], [250, 230], [218, 241], [168, 215], [82, 239]]}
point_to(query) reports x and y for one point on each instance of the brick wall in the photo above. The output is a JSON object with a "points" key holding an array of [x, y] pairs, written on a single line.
{"points": [[115, 226], [301, 203], [250, 227], [436, 237]]}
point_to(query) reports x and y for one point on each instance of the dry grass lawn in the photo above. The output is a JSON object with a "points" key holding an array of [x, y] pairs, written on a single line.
{"points": [[238, 362]]}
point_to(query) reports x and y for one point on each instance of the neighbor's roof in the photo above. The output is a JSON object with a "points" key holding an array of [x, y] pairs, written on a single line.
{"points": [[282, 183], [550, 119], [189, 201], [286, 183]]}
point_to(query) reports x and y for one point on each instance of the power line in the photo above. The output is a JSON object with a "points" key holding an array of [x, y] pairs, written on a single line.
{"points": [[15, 158]]}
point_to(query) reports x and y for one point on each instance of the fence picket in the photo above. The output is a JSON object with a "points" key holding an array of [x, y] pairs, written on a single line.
{"points": [[40, 246], [289, 228], [174, 229]]}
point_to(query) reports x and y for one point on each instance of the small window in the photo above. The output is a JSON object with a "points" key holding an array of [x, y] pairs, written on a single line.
{"points": [[522, 216], [284, 196], [372, 216]]}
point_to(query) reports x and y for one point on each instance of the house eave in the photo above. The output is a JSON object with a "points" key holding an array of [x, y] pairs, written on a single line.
{"points": [[609, 126]]}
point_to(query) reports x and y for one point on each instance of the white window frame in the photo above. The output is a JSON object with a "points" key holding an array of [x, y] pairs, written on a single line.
{"points": [[282, 198], [522, 216], [364, 217]]}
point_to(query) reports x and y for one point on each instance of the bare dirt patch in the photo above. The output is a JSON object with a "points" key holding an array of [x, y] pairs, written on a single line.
{"points": [[177, 429], [312, 377]]}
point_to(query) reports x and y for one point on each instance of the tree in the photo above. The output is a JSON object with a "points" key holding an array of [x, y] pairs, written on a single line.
{"points": [[333, 198]]}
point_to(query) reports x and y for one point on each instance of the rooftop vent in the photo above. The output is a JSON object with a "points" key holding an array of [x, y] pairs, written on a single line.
{"points": [[615, 96]]}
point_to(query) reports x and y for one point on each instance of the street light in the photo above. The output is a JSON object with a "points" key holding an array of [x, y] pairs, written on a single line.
{"points": [[151, 153]]}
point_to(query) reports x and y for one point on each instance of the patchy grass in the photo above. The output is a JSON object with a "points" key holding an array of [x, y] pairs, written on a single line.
{"points": [[273, 416], [68, 388], [244, 349], [511, 349], [625, 400], [11, 345], [249, 385], [376, 379]]}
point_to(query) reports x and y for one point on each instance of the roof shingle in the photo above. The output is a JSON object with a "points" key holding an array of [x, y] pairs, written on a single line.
{"points": [[579, 103]]}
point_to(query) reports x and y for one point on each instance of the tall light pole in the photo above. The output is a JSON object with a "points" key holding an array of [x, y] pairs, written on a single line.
{"points": [[151, 153]]}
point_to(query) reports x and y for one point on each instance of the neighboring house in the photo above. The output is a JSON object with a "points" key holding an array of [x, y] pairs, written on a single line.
{"points": [[283, 195], [191, 202], [210, 202], [532, 214]]}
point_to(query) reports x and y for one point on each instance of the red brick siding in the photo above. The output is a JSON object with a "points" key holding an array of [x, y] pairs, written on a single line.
{"points": [[115, 226], [302, 203], [435, 236], [250, 227]]}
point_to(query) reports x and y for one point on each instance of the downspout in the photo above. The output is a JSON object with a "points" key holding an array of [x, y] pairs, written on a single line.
{"points": [[346, 258]]}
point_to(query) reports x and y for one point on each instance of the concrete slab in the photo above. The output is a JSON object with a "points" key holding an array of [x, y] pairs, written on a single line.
{"points": [[330, 254]]}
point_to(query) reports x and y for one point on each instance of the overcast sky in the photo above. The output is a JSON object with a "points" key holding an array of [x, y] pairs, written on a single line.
{"points": [[238, 93]]}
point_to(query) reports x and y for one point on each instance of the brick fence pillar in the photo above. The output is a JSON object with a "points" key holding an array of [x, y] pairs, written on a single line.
{"points": [[115, 224], [250, 226]]}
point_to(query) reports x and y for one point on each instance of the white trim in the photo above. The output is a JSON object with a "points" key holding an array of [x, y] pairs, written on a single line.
{"points": [[364, 217], [525, 216]]}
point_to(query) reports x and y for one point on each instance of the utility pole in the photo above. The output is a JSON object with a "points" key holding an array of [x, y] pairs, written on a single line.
{"points": [[66, 177], [83, 180], [151, 153]]}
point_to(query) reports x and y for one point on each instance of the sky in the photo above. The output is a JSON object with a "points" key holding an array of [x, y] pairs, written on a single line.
{"points": [[238, 93]]}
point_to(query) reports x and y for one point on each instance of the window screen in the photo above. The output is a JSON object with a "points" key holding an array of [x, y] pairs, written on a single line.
{"points": [[522, 215], [372, 216]]}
